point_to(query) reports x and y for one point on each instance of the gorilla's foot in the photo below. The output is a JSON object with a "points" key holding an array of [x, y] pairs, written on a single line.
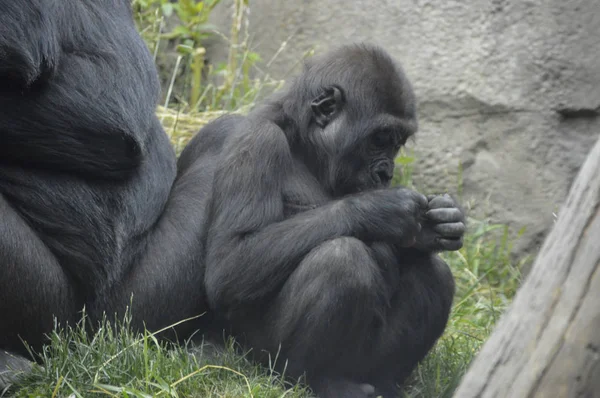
{"points": [[11, 368], [340, 388]]}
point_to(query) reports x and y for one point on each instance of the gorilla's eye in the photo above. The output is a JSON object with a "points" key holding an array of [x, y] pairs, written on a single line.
{"points": [[382, 139], [326, 105]]}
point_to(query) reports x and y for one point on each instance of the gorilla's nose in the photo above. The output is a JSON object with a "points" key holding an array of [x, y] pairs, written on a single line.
{"points": [[383, 173]]}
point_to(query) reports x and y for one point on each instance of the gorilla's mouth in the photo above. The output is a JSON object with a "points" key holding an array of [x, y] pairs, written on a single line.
{"points": [[381, 178], [382, 172]]}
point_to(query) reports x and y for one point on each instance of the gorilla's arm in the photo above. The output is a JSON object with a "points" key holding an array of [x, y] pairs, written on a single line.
{"points": [[443, 227], [73, 103], [112, 153], [251, 248]]}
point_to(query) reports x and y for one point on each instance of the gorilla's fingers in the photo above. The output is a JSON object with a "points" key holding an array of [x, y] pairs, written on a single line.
{"points": [[445, 215], [417, 198], [450, 230], [441, 201], [450, 244], [421, 200]]}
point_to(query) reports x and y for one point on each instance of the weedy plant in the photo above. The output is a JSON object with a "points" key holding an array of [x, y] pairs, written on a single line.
{"points": [[196, 90], [181, 28], [487, 276]]}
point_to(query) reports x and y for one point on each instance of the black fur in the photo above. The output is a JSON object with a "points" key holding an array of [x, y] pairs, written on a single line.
{"points": [[91, 212], [309, 253]]}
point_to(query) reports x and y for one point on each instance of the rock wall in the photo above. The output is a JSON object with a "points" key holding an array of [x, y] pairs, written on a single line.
{"points": [[510, 89]]}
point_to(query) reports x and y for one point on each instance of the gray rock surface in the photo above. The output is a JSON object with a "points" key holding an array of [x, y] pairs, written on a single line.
{"points": [[510, 89]]}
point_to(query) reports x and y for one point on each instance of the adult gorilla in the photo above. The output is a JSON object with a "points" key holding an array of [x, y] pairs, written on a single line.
{"points": [[88, 207], [309, 254]]}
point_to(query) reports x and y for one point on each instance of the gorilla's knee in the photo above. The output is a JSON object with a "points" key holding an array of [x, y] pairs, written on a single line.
{"points": [[343, 263], [337, 277], [442, 277]]}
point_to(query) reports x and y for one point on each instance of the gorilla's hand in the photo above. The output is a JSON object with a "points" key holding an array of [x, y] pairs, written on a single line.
{"points": [[393, 214], [443, 225]]}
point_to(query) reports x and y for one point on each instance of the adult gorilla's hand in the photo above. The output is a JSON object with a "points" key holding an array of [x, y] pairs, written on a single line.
{"points": [[443, 225]]}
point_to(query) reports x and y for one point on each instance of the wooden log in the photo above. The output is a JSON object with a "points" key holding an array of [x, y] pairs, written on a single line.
{"points": [[547, 344]]}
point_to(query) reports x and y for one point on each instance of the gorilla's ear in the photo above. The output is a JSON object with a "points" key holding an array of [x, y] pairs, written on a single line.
{"points": [[327, 105], [29, 47]]}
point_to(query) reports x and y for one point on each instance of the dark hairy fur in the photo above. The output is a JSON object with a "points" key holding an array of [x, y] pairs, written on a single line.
{"points": [[310, 255], [90, 208]]}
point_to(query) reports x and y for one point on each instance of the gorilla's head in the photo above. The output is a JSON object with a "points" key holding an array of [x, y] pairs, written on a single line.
{"points": [[357, 109]]}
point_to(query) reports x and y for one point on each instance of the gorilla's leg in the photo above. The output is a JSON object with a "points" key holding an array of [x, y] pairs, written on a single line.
{"points": [[33, 289], [415, 319], [323, 317], [347, 320], [33, 286]]}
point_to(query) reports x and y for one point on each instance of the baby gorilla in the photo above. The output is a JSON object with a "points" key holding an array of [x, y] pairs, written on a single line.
{"points": [[310, 255]]}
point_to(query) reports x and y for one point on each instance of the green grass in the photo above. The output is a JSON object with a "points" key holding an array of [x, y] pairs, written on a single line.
{"points": [[119, 363], [116, 362]]}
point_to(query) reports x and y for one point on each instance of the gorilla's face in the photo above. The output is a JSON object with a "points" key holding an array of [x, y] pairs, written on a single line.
{"points": [[357, 135], [369, 162]]}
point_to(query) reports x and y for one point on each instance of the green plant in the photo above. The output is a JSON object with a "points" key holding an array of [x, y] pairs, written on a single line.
{"points": [[192, 16], [404, 164], [117, 362], [189, 33], [487, 278], [201, 86]]}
